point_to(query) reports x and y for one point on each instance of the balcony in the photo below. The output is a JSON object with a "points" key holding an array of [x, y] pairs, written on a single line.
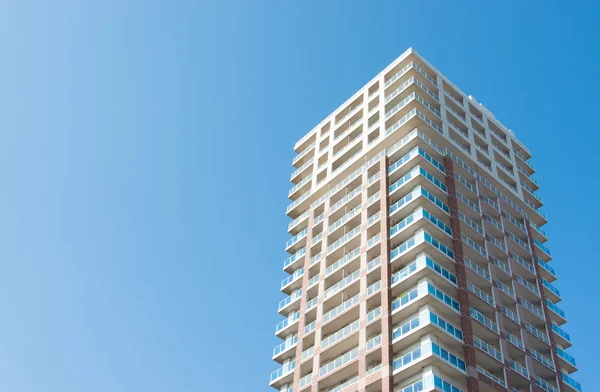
{"points": [[289, 300], [302, 154], [533, 309], [483, 320], [284, 347], [570, 382], [293, 242], [282, 327], [293, 281], [545, 385], [566, 361], [551, 291], [562, 337], [283, 375], [292, 261], [557, 314]]}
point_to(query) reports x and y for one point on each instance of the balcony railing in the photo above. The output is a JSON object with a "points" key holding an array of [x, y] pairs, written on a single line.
{"points": [[338, 362], [477, 315]]}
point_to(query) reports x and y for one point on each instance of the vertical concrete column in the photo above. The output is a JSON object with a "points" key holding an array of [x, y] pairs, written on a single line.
{"points": [[387, 354], [461, 276], [362, 333]]}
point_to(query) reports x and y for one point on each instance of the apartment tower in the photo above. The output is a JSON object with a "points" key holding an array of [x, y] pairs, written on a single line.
{"points": [[417, 255]]}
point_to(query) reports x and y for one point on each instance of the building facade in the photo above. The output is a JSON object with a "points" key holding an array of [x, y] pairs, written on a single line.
{"points": [[417, 255]]}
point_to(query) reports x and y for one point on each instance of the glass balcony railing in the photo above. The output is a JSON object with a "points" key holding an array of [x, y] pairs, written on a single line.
{"points": [[481, 294], [563, 354], [373, 288], [300, 185], [373, 314], [491, 376], [296, 238], [296, 221], [289, 299], [345, 199], [446, 326], [539, 229], [312, 281], [373, 370], [497, 243], [309, 352], [473, 245], [528, 285], [438, 245], [373, 263], [518, 241], [515, 222], [308, 328], [477, 269], [306, 380], [542, 359], [514, 340], [341, 308], [302, 168], [418, 214], [494, 223], [490, 202], [315, 259], [537, 333], [401, 330], [283, 371], [486, 348], [532, 308], [560, 332], [285, 323], [507, 290], [407, 358], [550, 287], [526, 264], [345, 238], [503, 266], [373, 342], [373, 240], [338, 362], [285, 345], [349, 215], [545, 385], [345, 384], [342, 261], [546, 267], [312, 303], [340, 334], [294, 257], [556, 309], [353, 277], [443, 297], [303, 153], [510, 314], [316, 238], [480, 317], [448, 357], [351, 111], [572, 383], [541, 246], [297, 274], [517, 367]]}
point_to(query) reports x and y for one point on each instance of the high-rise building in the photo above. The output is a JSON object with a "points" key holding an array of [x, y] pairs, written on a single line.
{"points": [[417, 255]]}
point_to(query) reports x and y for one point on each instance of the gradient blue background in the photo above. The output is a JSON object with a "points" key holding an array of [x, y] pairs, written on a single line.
{"points": [[146, 150]]}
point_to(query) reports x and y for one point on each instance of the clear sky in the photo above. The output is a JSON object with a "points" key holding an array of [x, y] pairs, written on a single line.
{"points": [[145, 154]]}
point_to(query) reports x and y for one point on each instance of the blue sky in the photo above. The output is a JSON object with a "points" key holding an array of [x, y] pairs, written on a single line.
{"points": [[146, 150]]}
